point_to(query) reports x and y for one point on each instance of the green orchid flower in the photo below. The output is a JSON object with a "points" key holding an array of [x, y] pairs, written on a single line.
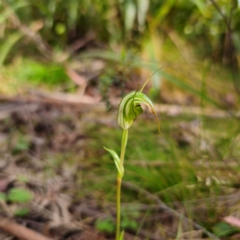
{"points": [[130, 108]]}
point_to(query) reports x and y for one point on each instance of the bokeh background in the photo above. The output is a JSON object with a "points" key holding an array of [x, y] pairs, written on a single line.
{"points": [[195, 43]]}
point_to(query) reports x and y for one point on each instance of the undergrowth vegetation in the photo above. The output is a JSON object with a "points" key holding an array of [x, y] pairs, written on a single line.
{"points": [[196, 175]]}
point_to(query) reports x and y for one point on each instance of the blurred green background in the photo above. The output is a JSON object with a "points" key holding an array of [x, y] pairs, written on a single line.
{"points": [[197, 44]]}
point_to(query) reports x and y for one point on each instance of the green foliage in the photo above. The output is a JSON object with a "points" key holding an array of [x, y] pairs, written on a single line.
{"points": [[128, 223], [21, 212], [122, 21], [22, 144], [158, 165], [116, 161], [38, 73], [223, 229], [8, 45], [121, 237], [3, 197], [132, 62], [149, 30], [105, 225], [19, 195]]}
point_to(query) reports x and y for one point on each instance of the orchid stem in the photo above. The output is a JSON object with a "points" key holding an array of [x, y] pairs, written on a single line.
{"points": [[123, 147], [118, 219], [119, 181]]}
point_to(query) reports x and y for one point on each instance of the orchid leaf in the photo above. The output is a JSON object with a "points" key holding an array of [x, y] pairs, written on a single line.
{"points": [[116, 160], [121, 237]]}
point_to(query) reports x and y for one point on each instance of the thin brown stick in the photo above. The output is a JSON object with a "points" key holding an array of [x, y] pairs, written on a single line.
{"points": [[61, 99], [20, 231]]}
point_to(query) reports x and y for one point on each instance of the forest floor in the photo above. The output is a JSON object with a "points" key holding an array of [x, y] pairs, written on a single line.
{"points": [[56, 178]]}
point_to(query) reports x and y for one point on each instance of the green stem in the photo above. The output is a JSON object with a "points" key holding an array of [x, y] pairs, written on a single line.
{"points": [[119, 181], [118, 220], [123, 147]]}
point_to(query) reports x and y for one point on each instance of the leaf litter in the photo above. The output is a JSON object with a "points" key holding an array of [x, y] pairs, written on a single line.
{"points": [[47, 151]]}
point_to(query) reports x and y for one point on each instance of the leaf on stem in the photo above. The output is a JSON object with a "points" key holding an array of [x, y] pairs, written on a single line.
{"points": [[121, 235], [116, 160]]}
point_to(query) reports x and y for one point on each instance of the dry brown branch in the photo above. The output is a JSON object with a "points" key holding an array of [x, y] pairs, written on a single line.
{"points": [[80, 101], [20, 231], [51, 99]]}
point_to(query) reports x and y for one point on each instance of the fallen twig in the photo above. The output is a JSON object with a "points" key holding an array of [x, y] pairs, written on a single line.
{"points": [[20, 231], [88, 101]]}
